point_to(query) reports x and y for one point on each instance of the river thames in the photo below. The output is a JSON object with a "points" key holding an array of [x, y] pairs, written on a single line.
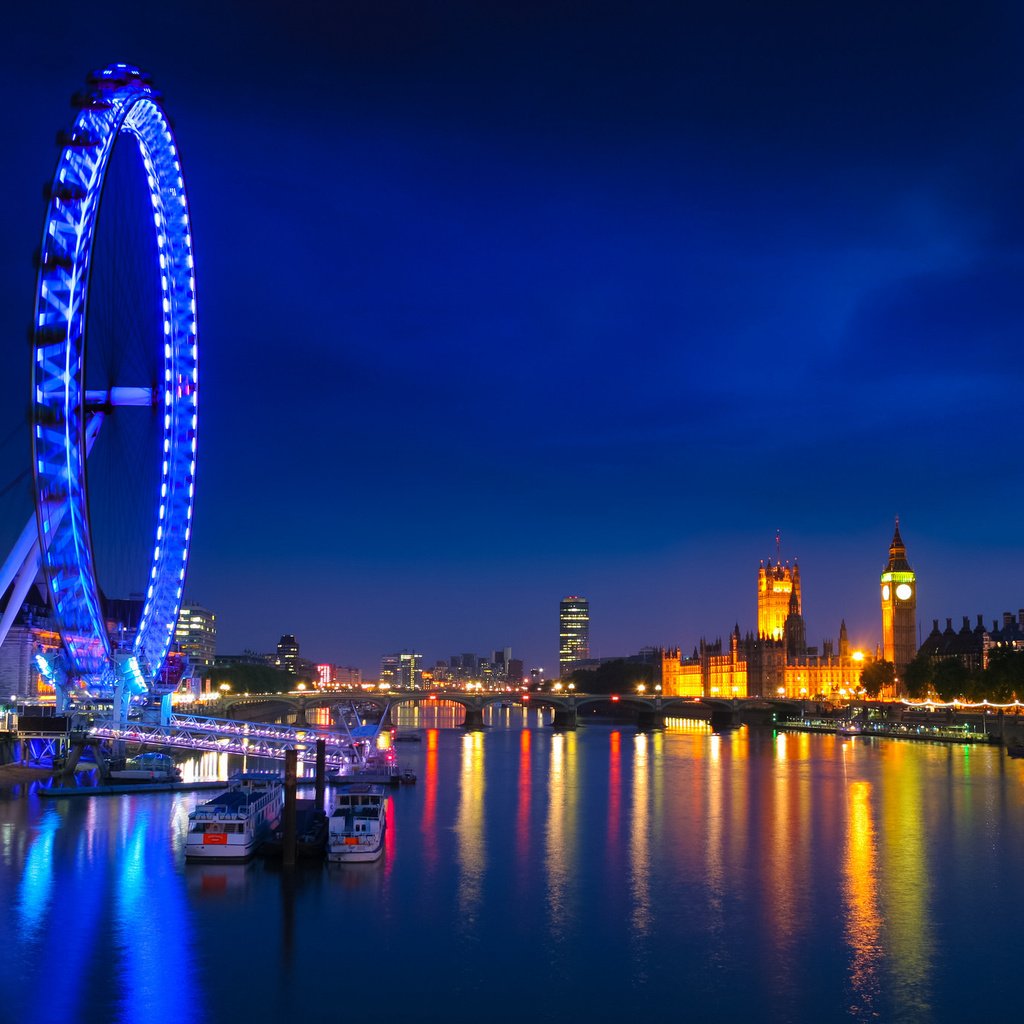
{"points": [[533, 875]]}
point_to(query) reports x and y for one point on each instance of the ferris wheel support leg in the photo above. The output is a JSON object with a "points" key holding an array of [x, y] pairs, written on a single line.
{"points": [[62, 685], [28, 539], [24, 561], [166, 711], [122, 701]]}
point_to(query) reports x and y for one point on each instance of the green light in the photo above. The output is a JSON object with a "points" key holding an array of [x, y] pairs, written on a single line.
{"points": [[898, 577]]}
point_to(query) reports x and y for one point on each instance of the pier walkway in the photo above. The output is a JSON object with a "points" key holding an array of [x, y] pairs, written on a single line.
{"points": [[229, 736]]}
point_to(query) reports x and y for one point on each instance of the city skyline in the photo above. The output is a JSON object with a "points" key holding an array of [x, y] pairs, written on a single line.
{"points": [[498, 306], [575, 617]]}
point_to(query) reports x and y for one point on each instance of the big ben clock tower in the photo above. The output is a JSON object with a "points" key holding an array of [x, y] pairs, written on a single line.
{"points": [[899, 606]]}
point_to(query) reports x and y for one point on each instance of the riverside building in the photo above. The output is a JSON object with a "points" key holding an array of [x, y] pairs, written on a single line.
{"points": [[773, 662]]}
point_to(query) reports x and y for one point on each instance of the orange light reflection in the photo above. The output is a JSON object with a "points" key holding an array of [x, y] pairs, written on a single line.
{"points": [[428, 821], [860, 892]]}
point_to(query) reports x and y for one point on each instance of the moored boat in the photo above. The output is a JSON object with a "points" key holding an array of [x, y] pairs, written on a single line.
{"points": [[233, 824], [358, 823], [310, 833], [149, 767], [378, 767]]}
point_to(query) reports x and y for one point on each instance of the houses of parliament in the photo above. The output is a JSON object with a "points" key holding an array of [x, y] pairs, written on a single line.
{"points": [[776, 660]]}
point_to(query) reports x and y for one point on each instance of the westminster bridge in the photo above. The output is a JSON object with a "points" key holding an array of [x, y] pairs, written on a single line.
{"points": [[651, 710]]}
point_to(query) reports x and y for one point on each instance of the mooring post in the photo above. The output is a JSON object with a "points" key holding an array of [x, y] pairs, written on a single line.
{"points": [[321, 772], [291, 761]]}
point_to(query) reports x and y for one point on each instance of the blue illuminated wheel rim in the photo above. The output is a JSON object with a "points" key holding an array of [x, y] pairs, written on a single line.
{"points": [[120, 103]]}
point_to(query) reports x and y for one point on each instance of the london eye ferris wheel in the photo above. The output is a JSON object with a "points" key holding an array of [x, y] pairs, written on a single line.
{"points": [[113, 337]]}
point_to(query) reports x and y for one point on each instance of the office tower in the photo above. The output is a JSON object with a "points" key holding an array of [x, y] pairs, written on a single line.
{"points": [[409, 671], [196, 634], [288, 654], [573, 632]]}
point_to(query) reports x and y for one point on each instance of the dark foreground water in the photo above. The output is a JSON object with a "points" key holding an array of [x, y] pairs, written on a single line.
{"points": [[601, 875]]}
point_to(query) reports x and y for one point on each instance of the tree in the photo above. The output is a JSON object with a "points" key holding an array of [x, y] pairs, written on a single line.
{"points": [[950, 678], [876, 675], [1003, 680], [917, 676], [618, 676], [251, 678]]}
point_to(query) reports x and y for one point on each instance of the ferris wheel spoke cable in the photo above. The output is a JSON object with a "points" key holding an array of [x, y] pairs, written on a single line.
{"points": [[120, 528]]}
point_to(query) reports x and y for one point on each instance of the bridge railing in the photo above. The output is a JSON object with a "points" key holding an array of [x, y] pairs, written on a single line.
{"points": [[252, 739]]}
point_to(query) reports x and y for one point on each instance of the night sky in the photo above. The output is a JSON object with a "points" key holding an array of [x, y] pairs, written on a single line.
{"points": [[501, 302]]}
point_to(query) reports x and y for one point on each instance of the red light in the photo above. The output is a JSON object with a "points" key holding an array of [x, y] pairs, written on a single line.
{"points": [[615, 696], [526, 696], [433, 696]]}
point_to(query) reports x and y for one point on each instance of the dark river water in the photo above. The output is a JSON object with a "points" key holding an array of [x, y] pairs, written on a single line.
{"points": [[601, 875]]}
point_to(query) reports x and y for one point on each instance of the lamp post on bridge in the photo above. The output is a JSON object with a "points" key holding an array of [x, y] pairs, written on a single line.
{"points": [[653, 718], [565, 717]]}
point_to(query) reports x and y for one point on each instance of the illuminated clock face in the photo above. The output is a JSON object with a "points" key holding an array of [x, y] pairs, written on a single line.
{"points": [[904, 592], [885, 591]]}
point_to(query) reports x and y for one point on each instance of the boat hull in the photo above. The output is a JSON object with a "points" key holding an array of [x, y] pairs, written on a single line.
{"points": [[223, 853], [362, 854]]}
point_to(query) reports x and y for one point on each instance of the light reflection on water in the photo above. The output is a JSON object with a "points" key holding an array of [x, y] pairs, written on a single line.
{"points": [[906, 881], [860, 888], [639, 845], [469, 828], [560, 835], [749, 875], [428, 822], [524, 785]]}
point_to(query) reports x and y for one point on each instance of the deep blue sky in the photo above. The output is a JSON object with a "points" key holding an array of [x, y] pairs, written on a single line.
{"points": [[501, 302]]}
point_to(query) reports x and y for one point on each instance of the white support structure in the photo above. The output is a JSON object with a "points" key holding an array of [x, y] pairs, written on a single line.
{"points": [[21, 569], [22, 565]]}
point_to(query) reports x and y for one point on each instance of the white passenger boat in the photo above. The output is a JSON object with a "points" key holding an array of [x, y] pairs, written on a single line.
{"points": [[358, 823], [232, 825], [149, 767]]}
